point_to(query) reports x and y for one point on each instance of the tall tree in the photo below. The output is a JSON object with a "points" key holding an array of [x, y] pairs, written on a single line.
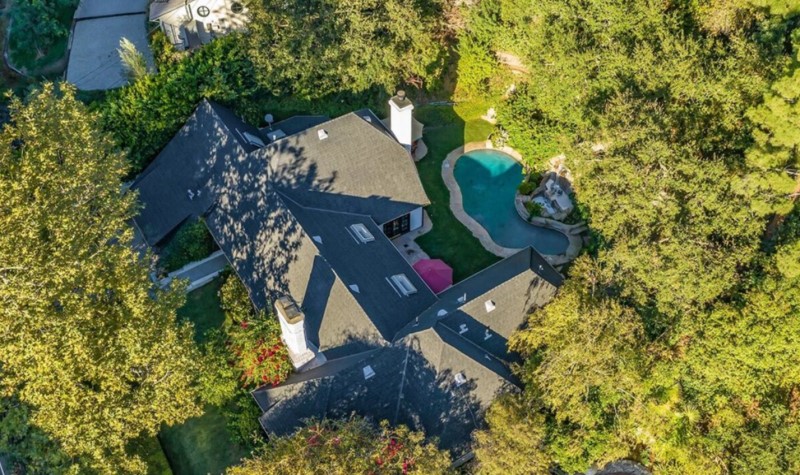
{"points": [[343, 447], [87, 341], [316, 48]]}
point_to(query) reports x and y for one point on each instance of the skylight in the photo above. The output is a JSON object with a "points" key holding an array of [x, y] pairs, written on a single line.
{"points": [[253, 140], [362, 233], [403, 285], [368, 372]]}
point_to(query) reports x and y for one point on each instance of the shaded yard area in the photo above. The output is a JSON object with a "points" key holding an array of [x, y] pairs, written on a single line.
{"points": [[24, 53], [447, 127], [204, 444], [201, 445]]}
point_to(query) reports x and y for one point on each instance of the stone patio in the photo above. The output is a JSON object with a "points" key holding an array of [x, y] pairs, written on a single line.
{"points": [[408, 247]]}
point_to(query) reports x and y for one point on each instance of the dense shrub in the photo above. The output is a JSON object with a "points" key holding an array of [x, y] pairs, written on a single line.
{"points": [[254, 343], [190, 243], [526, 187], [534, 209]]}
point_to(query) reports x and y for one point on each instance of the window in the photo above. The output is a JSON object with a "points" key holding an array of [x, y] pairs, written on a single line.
{"points": [[362, 233], [403, 285], [203, 11], [398, 226]]}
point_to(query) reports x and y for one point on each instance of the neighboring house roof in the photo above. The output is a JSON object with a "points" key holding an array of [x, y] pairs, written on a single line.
{"points": [[161, 7]]}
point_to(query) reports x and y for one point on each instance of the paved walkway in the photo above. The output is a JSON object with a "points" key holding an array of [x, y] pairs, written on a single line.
{"points": [[198, 273], [407, 245], [457, 207]]}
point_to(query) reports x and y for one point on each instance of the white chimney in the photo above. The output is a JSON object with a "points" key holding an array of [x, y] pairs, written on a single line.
{"points": [[293, 332], [400, 120]]}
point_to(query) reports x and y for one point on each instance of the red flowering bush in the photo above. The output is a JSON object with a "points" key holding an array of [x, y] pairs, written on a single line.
{"points": [[350, 446], [255, 347], [258, 352]]}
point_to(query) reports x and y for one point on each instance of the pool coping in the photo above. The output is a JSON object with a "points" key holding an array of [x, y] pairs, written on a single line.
{"points": [[572, 232]]}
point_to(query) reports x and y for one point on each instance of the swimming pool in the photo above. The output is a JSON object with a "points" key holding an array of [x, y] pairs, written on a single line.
{"points": [[488, 180]]}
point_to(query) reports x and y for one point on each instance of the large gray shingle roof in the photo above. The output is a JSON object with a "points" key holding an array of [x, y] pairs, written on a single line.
{"points": [[356, 163]]}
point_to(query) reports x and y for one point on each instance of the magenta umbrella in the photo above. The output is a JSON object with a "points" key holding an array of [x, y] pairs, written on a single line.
{"points": [[435, 273]]}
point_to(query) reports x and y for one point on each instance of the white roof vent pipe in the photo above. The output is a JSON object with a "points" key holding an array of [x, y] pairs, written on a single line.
{"points": [[322, 134], [400, 119]]}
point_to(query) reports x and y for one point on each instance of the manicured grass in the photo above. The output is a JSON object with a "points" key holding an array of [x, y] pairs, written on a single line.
{"points": [[203, 309], [446, 128], [201, 445]]}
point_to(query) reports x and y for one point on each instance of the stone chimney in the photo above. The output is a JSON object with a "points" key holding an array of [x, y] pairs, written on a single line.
{"points": [[401, 120], [293, 331]]}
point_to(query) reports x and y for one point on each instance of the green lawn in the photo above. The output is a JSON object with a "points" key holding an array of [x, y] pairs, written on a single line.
{"points": [[202, 445], [202, 308], [445, 129]]}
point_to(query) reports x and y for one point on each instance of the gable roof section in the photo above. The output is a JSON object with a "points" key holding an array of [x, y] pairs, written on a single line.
{"points": [[367, 266], [274, 256], [414, 384], [356, 164], [201, 153]]}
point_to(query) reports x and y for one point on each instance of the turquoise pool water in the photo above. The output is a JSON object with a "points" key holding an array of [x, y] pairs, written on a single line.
{"points": [[488, 180]]}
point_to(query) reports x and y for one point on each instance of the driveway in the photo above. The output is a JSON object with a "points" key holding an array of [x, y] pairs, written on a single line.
{"points": [[98, 28]]}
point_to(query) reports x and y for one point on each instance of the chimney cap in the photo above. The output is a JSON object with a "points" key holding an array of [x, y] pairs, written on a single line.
{"points": [[400, 101]]}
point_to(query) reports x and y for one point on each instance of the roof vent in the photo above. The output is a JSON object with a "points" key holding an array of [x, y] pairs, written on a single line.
{"points": [[362, 233], [354, 288], [401, 283], [441, 313], [487, 334], [367, 118], [460, 379], [322, 134], [317, 239], [462, 299], [489, 304], [368, 372], [463, 329]]}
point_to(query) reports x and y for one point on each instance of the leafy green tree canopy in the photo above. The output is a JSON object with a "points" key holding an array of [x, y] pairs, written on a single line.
{"points": [[87, 342]]}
